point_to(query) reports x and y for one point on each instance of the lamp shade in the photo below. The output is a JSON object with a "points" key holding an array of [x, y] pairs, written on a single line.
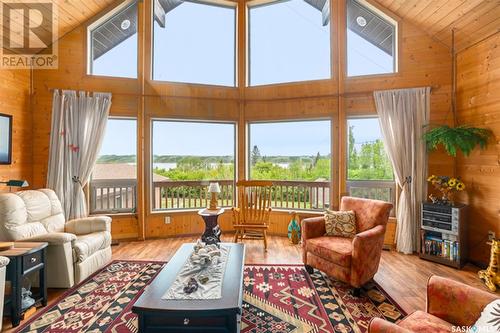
{"points": [[214, 188]]}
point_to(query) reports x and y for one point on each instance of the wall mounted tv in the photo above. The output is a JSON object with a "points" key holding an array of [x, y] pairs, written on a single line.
{"points": [[5, 139]]}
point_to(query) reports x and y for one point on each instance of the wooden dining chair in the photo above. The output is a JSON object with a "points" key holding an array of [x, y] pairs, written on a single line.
{"points": [[251, 217]]}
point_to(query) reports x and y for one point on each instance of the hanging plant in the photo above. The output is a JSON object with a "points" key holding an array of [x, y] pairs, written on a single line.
{"points": [[464, 138]]}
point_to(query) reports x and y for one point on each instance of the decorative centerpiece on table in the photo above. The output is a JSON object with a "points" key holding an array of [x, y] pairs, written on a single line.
{"points": [[203, 256], [448, 186]]}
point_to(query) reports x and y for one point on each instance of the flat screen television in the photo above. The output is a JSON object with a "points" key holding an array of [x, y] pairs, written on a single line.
{"points": [[5, 139]]}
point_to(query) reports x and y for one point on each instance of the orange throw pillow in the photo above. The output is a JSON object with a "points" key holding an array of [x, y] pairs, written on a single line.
{"points": [[340, 223]]}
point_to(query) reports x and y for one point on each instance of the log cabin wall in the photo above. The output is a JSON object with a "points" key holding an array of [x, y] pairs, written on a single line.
{"points": [[15, 101], [423, 61], [478, 104]]}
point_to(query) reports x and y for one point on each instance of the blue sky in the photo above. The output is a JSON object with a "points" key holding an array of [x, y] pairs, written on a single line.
{"points": [[288, 43], [216, 139], [291, 138]]}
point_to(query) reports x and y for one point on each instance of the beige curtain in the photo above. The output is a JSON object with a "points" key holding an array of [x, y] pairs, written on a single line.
{"points": [[78, 126], [403, 113]]}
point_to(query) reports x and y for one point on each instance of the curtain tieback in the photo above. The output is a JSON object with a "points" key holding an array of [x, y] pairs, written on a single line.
{"points": [[76, 179], [408, 181]]}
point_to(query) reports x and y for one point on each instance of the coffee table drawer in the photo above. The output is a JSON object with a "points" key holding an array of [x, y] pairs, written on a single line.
{"points": [[32, 260], [190, 324]]}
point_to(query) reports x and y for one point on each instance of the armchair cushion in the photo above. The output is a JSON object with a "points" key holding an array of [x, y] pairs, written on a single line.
{"points": [[89, 225], [335, 249], [489, 320], [422, 322], [340, 223], [55, 238], [87, 245]]}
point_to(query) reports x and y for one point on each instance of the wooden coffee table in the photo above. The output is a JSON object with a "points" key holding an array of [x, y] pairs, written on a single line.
{"points": [[207, 316]]}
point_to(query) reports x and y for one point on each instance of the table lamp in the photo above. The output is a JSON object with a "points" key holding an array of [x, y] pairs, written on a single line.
{"points": [[16, 183], [213, 189]]}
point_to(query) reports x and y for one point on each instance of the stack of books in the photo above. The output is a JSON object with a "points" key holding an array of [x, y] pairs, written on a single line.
{"points": [[444, 248]]}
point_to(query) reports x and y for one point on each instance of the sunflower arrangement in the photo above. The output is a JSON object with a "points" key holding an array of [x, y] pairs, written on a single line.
{"points": [[448, 186]]}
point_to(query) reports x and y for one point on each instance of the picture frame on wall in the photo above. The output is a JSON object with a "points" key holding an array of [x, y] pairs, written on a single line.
{"points": [[5, 139]]}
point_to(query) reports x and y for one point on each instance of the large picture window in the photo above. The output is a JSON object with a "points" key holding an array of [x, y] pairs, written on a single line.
{"points": [[369, 170], [194, 42], [289, 41], [113, 44], [371, 41], [296, 155], [113, 186], [187, 157]]}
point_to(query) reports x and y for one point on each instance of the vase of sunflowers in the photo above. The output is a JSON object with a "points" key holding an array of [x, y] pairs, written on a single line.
{"points": [[448, 186]]}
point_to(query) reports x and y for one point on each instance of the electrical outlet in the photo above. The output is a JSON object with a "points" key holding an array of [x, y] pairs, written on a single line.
{"points": [[491, 235], [167, 220]]}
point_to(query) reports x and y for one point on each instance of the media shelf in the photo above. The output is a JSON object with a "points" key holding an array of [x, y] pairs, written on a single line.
{"points": [[442, 234]]}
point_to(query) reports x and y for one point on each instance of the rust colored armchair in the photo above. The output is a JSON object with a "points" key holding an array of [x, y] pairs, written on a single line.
{"points": [[449, 303], [354, 261]]}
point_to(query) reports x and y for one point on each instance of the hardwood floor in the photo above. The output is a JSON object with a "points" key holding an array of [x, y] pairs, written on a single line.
{"points": [[403, 277]]}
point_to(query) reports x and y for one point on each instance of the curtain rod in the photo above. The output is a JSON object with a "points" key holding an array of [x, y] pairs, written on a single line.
{"points": [[346, 94]]}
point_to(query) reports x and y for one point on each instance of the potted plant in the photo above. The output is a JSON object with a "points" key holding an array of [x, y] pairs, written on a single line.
{"points": [[464, 138]]}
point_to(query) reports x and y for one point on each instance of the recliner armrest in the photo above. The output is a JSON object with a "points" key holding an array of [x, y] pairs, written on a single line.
{"points": [[54, 238], [4, 261], [88, 225]]}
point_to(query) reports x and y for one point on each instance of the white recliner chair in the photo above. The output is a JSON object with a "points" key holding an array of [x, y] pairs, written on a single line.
{"points": [[77, 248], [3, 266]]}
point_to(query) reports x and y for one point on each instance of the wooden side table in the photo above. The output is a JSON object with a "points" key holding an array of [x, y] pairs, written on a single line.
{"points": [[25, 258], [212, 229]]}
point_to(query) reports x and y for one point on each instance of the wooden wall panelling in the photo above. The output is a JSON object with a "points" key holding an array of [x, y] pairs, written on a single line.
{"points": [[15, 101], [478, 104]]}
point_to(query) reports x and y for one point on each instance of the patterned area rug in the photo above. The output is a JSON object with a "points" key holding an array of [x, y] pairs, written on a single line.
{"points": [[277, 299]]}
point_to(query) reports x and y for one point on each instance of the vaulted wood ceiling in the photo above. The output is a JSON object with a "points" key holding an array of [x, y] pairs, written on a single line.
{"points": [[72, 13], [472, 19]]}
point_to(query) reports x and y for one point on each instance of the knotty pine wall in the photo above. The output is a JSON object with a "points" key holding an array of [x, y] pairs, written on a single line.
{"points": [[478, 104], [15, 101], [423, 62]]}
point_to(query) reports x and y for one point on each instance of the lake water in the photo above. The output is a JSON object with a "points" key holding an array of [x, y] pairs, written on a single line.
{"points": [[166, 166]]}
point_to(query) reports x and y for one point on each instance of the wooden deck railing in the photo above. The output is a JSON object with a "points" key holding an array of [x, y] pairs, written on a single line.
{"points": [[113, 196], [189, 194], [120, 195], [284, 195]]}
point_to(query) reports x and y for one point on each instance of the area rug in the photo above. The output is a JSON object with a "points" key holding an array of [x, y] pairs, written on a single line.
{"points": [[277, 299]]}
